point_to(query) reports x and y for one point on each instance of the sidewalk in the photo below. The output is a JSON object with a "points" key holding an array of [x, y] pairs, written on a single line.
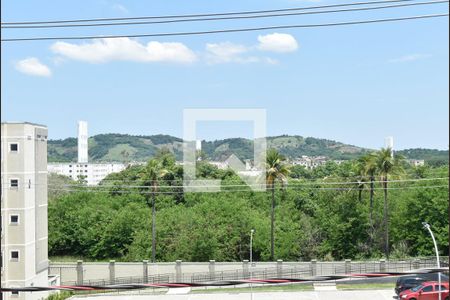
{"points": [[322, 295]]}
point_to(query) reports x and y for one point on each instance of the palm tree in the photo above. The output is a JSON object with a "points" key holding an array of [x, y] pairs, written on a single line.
{"points": [[154, 171], [387, 164], [361, 177], [368, 165], [276, 170]]}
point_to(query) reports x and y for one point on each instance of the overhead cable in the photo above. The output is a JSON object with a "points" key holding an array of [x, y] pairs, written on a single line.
{"points": [[234, 30]]}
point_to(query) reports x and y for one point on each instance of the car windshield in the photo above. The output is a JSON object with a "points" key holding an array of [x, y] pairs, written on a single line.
{"points": [[410, 281], [415, 289]]}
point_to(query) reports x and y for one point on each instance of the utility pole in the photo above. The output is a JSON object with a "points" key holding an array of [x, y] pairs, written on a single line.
{"points": [[428, 227], [251, 246]]}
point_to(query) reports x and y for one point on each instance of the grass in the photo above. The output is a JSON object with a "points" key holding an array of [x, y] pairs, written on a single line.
{"points": [[295, 288], [257, 289], [60, 296]]}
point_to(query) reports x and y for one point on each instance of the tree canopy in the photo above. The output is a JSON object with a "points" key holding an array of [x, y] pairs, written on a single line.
{"points": [[322, 214]]}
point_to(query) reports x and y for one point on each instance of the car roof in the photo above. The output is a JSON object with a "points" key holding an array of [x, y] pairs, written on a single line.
{"points": [[434, 282], [424, 276], [411, 277]]}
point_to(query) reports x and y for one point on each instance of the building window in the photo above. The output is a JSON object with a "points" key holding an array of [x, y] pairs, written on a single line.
{"points": [[14, 255], [14, 294], [70, 171], [13, 147], [14, 219], [14, 183]]}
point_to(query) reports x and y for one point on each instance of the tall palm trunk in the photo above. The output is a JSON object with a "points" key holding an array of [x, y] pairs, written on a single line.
{"points": [[360, 190], [386, 218], [154, 224], [371, 194], [272, 225], [372, 179]]}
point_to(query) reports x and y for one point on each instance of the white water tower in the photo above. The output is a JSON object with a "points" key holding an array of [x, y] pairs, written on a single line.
{"points": [[82, 142], [389, 143]]}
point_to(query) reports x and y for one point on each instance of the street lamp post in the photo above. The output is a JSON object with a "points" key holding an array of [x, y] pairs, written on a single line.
{"points": [[428, 227], [251, 246], [251, 262]]}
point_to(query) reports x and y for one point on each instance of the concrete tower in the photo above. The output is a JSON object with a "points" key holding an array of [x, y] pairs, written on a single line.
{"points": [[389, 143], [82, 142], [198, 145], [24, 208]]}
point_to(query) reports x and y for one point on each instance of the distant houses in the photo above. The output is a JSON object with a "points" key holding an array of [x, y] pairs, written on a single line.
{"points": [[416, 162], [311, 162]]}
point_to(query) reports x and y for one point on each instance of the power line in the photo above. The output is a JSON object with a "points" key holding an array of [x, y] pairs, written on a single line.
{"points": [[417, 17], [245, 185], [91, 190], [295, 184], [223, 18], [208, 14], [355, 177]]}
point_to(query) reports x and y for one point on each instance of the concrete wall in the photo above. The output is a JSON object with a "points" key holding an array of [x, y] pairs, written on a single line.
{"points": [[197, 271]]}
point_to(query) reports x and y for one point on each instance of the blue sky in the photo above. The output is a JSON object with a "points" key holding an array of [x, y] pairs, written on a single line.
{"points": [[353, 84]]}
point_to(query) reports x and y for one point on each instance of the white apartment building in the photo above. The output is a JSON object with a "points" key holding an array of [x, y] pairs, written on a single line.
{"points": [[90, 173], [24, 235]]}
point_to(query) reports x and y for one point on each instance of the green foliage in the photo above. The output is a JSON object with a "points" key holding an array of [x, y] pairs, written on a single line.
{"points": [[58, 185], [94, 225], [60, 296], [113, 221]]}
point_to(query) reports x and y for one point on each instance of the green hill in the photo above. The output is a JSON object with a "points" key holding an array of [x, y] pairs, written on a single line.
{"points": [[124, 147], [431, 156], [114, 147]]}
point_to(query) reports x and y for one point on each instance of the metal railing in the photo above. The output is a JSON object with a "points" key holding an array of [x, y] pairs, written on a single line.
{"points": [[287, 270]]}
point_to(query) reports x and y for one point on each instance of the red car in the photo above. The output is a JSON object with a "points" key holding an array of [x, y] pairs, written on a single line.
{"points": [[426, 291]]}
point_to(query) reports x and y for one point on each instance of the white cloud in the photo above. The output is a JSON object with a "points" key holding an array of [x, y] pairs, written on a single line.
{"points": [[125, 49], [277, 42], [32, 66], [409, 58], [227, 52]]}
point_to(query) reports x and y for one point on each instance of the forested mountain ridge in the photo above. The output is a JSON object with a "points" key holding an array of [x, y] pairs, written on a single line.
{"points": [[124, 147]]}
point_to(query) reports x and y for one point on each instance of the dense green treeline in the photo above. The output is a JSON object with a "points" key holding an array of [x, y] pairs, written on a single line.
{"points": [[315, 217]]}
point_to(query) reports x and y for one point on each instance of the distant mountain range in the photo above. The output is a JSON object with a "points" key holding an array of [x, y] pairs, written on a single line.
{"points": [[124, 147]]}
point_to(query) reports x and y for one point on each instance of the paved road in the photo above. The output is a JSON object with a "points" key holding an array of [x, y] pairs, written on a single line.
{"points": [[323, 295]]}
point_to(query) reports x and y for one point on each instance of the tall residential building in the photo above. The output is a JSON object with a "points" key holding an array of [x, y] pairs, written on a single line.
{"points": [[82, 142], [24, 236]]}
